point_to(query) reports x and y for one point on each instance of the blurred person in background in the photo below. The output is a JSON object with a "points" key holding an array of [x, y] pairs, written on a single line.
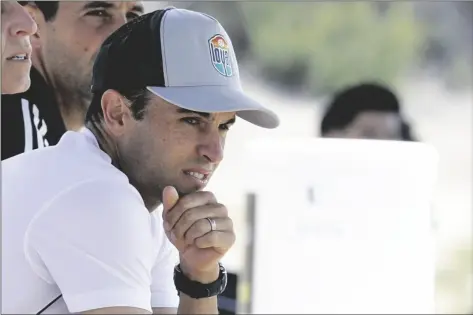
{"points": [[366, 111], [17, 27], [65, 44]]}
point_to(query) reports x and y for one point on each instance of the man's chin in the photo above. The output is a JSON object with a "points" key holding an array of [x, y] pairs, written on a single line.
{"points": [[182, 191], [189, 184]]}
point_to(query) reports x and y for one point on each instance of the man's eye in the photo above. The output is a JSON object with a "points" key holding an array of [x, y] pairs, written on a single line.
{"points": [[192, 121], [99, 13], [225, 127]]}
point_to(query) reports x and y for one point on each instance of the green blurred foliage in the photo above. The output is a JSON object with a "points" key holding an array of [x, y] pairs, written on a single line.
{"points": [[335, 44]]}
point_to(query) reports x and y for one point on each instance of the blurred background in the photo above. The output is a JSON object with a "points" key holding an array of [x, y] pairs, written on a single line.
{"points": [[295, 56]]}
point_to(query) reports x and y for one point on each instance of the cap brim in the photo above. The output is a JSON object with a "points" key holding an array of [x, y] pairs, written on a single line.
{"points": [[217, 99]]}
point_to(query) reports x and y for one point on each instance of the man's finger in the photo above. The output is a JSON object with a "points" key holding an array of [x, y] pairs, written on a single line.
{"points": [[170, 198], [186, 202], [220, 241], [202, 227], [190, 216]]}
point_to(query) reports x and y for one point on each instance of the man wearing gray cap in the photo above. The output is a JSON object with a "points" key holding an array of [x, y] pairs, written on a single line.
{"points": [[82, 233]]}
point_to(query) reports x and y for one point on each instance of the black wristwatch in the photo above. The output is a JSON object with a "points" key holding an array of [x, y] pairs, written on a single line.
{"points": [[197, 290]]}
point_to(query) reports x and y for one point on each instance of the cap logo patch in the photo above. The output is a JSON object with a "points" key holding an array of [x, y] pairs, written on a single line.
{"points": [[220, 55]]}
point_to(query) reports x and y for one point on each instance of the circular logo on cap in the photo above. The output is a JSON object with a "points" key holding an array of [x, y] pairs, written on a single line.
{"points": [[220, 55]]}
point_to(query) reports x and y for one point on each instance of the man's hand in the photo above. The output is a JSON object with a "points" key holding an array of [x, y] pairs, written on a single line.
{"points": [[189, 230]]}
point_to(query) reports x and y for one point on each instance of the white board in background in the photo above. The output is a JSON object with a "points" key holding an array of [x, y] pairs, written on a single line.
{"points": [[364, 243]]}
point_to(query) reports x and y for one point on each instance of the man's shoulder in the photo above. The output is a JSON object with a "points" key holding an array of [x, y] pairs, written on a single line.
{"points": [[74, 168], [103, 201], [75, 156], [45, 176], [101, 193]]}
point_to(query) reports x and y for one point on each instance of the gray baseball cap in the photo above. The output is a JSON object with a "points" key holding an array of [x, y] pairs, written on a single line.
{"points": [[184, 57]]}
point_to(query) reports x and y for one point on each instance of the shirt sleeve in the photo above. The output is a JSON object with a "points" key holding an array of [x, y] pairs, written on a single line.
{"points": [[163, 290], [95, 242]]}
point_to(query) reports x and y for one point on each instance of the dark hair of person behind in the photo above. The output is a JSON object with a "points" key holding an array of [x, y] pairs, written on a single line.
{"points": [[138, 99], [348, 103], [49, 8]]}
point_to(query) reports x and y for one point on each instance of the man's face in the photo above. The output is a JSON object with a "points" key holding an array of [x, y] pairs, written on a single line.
{"points": [[69, 42], [172, 146], [372, 125], [17, 27]]}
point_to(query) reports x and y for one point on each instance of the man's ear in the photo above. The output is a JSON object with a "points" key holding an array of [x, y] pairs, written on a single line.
{"points": [[115, 111], [38, 17]]}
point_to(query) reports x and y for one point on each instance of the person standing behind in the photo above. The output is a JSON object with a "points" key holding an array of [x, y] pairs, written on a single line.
{"points": [[64, 48], [366, 111], [17, 27]]}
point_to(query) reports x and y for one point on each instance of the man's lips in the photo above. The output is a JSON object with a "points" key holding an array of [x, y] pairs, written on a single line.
{"points": [[24, 54], [19, 57], [198, 173]]}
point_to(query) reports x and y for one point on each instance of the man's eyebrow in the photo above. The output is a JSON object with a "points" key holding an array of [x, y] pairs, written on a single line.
{"points": [[107, 5], [186, 111], [205, 115], [98, 5]]}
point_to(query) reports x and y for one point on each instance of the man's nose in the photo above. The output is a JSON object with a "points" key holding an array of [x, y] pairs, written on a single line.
{"points": [[22, 23], [212, 147]]}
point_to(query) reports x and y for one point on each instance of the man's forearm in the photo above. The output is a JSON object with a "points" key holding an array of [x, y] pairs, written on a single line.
{"points": [[188, 305]]}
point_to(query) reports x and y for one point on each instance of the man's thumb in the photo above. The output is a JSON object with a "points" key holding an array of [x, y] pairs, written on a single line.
{"points": [[170, 197]]}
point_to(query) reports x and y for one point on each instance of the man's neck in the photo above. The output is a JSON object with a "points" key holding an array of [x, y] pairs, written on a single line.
{"points": [[105, 142], [72, 107], [109, 146], [72, 110]]}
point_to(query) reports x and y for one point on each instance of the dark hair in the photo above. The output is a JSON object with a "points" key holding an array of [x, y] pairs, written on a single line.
{"points": [[138, 100], [49, 8], [348, 103]]}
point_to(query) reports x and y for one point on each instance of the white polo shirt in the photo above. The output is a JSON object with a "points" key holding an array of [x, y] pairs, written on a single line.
{"points": [[73, 225]]}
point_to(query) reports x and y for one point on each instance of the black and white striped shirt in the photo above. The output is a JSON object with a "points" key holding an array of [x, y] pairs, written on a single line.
{"points": [[30, 120]]}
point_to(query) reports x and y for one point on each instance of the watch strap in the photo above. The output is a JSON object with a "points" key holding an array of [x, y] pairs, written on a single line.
{"points": [[196, 289]]}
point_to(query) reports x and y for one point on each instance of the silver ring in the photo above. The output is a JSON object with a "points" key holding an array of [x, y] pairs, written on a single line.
{"points": [[213, 224]]}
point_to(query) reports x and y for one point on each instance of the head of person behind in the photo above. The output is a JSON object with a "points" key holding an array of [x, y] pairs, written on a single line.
{"points": [[365, 111], [166, 91], [17, 27], [66, 44]]}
